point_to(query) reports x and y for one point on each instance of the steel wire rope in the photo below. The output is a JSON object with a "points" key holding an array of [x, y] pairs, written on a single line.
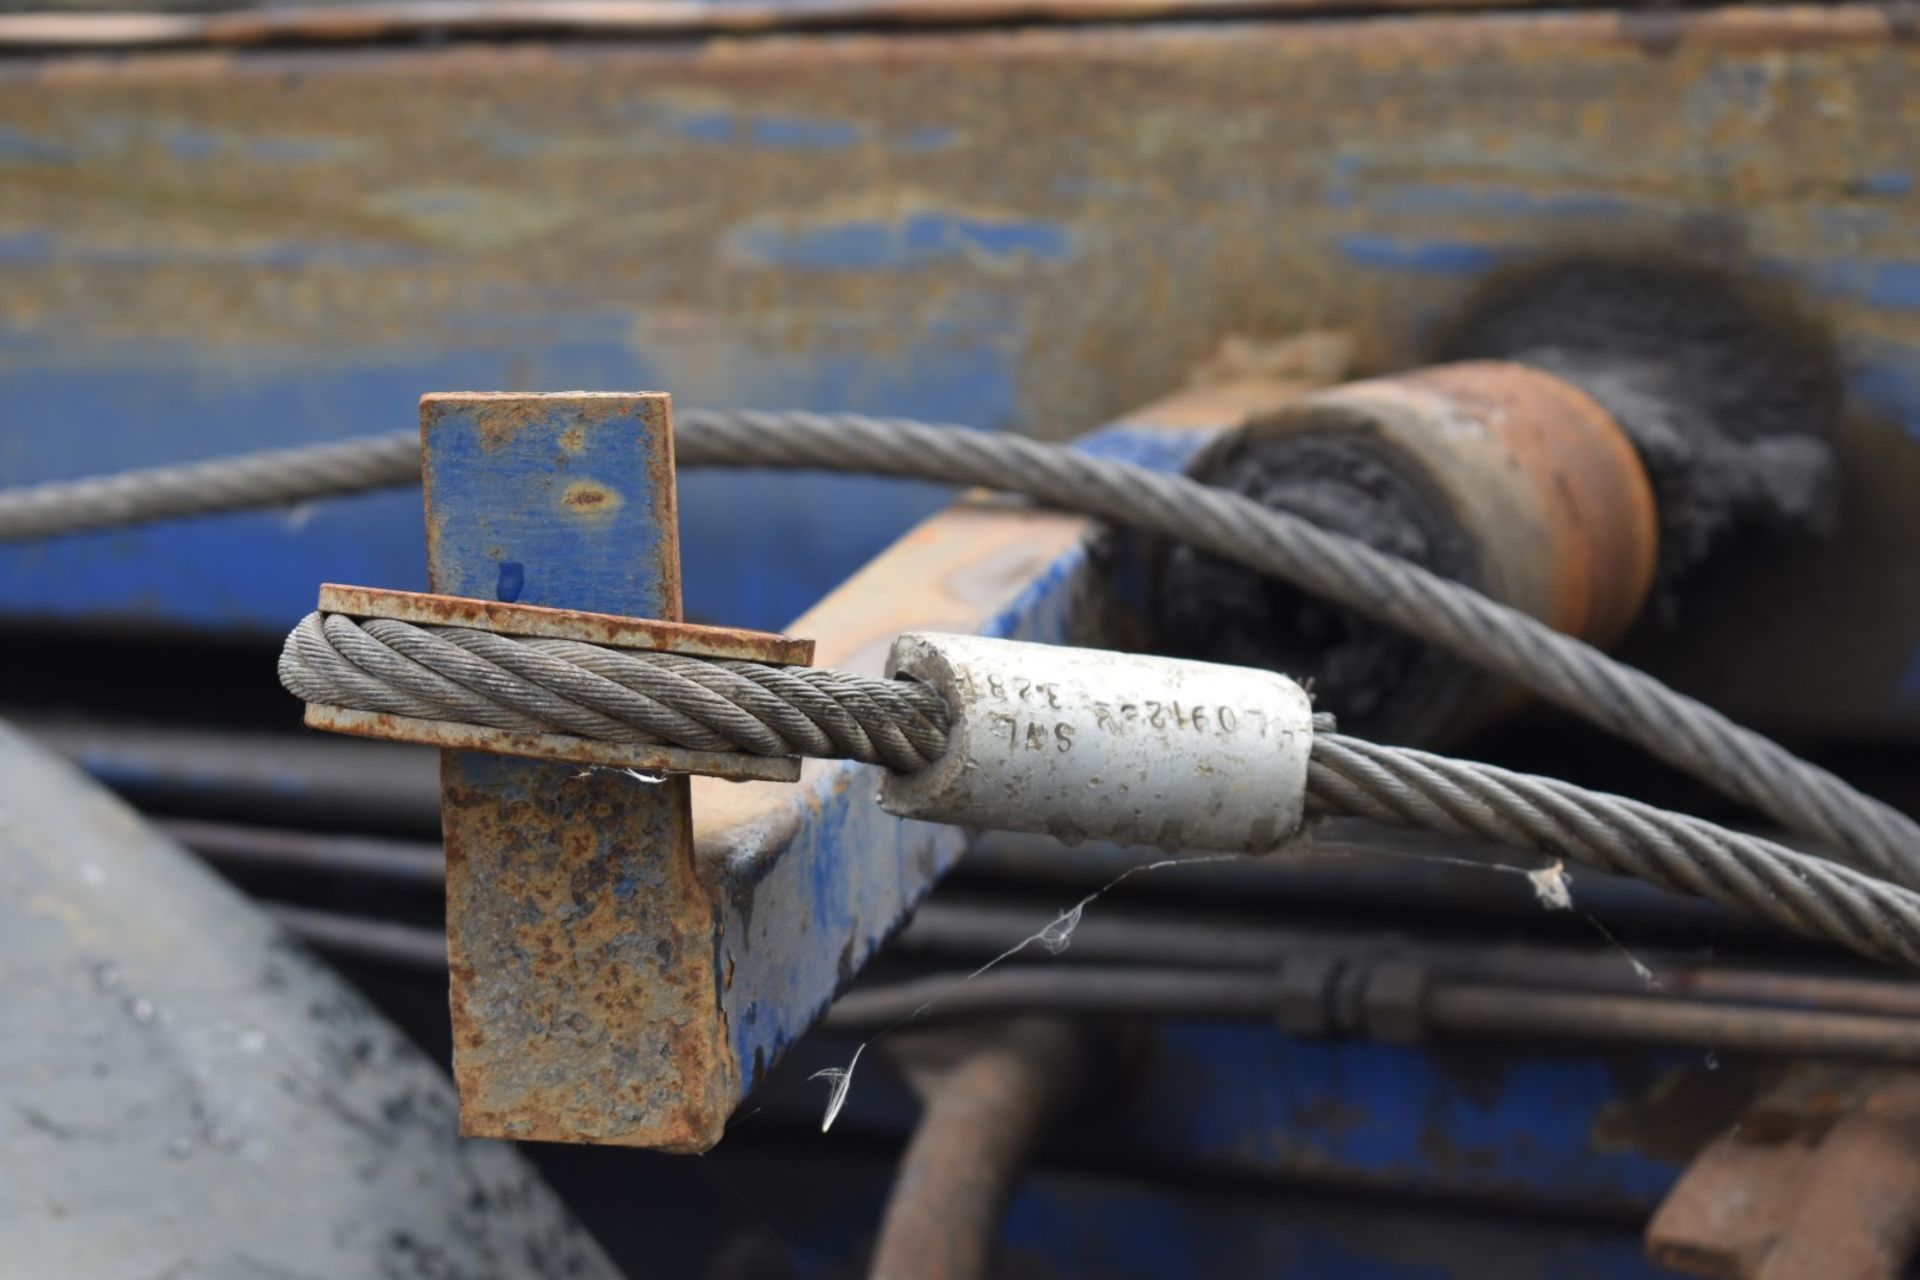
{"points": [[1851, 827], [623, 696]]}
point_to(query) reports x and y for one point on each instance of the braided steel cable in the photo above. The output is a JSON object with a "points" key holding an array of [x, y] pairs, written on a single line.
{"points": [[453, 673], [1560, 669], [1349, 777], [611, 695], [271, 477], [1850, 827]]}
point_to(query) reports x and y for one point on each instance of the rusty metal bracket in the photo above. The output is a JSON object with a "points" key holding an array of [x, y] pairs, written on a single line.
{"points": [[648, 634], [619, 973], [580, 937]]}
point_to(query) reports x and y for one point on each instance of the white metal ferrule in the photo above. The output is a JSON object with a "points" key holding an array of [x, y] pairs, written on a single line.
{"points": [[1088, 744]]}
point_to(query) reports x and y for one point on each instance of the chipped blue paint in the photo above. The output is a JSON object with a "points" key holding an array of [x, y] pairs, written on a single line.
{"points": [[23, 247], [500, 529], [1886, 383], [917, 240], [20, 147], [1504, 200], [1889, 283], [194, 144], [796, 133], [1242, 1096], [773, 133], [1427, 257], [705, 126], [1888, 182]]}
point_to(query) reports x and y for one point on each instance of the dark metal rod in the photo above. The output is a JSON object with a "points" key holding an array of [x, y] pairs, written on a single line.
{"points": [[1448, 1008], [408, 946], [1466, 1008], [1132, 935], [1079, 989], [1473, 1008], [278, 778], [276, 849]]}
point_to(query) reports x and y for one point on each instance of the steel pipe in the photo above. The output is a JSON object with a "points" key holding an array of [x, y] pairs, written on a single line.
{"points": [[983, 1117]]}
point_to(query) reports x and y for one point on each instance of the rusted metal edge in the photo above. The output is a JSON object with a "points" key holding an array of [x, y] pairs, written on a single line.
{"points": [[653, 636], [349, 24], [553, 746], [662, 19]]}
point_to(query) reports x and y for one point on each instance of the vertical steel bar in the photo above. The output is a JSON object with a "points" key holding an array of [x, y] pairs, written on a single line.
{"points": [[566, 887]]}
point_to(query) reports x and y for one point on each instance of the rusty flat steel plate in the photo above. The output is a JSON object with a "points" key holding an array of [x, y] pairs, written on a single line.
{"points": [[647, 634], [649, 757], [570, 947]]}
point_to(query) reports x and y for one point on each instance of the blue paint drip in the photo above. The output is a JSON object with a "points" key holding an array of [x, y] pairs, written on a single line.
{"points": [[513, 580]]}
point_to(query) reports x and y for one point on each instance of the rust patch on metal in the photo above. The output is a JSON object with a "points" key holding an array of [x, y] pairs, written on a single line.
{"points": [[577, 940], [647, 634], [1583, 478], [1546, 487], [589, 498], [649, 757]]}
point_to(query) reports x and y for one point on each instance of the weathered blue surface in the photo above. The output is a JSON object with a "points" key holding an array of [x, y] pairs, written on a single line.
{"points": [[755, 547], [556, 513], [1513, 1127], [1422, 1190]]}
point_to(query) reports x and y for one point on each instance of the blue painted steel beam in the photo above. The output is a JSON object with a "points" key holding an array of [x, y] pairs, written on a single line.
{"points": [[808, 881]]}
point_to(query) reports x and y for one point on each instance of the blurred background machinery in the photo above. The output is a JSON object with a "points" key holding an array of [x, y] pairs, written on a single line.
{"points": [[1442, 277]]}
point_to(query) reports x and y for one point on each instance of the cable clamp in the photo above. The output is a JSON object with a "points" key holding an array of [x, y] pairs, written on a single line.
{"points": [[647, 634], [1088, 744]]}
